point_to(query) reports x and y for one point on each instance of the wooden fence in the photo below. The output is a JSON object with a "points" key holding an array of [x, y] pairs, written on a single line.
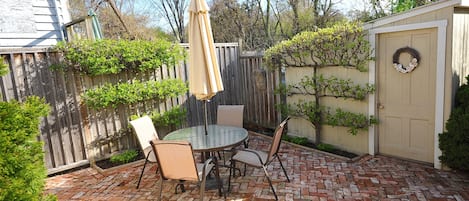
{"points": [[73, 134]]}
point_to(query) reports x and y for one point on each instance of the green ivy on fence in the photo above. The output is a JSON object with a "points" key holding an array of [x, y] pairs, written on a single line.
{"points": [[130, 93], [171, 117], [104, 57]]}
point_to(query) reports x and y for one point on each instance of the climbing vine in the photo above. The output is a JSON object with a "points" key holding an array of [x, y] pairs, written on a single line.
{"points": [[104, 57], [342, 45], [3, 67], [130, 93]]}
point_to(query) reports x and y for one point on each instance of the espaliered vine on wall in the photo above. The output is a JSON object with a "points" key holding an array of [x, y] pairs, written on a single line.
{"points": [[104, 57], [342, 45], [130, 93]]}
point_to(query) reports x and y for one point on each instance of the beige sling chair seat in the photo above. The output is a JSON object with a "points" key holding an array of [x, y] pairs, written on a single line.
{"points": [[145, 131], [261, 159], [176, 162]]}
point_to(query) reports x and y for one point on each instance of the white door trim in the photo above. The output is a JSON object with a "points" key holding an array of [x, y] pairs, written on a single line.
{"points": [[440, 81]]}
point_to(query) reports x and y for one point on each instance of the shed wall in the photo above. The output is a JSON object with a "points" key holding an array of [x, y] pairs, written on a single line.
{"points": [[337, 136]]}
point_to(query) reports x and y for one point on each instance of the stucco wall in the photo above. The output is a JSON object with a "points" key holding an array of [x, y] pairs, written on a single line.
{"points": [[337, 136]]}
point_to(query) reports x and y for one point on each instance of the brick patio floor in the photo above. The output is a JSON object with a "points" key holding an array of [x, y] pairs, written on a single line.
{"points": [[314, 176]]}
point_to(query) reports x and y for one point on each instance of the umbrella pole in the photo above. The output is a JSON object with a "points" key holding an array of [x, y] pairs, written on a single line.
{"points": [[206, 117]]}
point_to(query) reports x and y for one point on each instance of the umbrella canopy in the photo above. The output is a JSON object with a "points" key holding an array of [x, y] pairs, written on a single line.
{"points": [[204, 74]]}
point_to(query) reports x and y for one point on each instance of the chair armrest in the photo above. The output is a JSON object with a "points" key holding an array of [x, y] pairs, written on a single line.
{"points": [[255, 153], [207, 162]]}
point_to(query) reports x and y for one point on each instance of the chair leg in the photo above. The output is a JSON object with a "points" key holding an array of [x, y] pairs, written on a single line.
{"points": [[217, 177], [232, 171], [161, 188], [245, 167], [202, 188], [143, 169], [270, 182], [284, 171]]}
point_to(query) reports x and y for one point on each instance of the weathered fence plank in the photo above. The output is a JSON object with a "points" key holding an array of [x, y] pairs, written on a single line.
{"points": [[74, 135]]}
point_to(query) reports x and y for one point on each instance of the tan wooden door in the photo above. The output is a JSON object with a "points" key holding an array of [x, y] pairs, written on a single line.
{"points": [[406, 101]]}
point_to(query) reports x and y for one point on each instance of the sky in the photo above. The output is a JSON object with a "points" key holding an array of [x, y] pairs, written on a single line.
{"points": [[348, 5], [344, 5]]}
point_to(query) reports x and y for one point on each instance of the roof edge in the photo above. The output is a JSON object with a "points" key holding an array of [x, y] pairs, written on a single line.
{"points": [[414, 12]]}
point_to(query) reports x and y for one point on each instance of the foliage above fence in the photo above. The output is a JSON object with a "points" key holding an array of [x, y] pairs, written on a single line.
{"points": [[341, 45], [130, 93], [106, 56]]}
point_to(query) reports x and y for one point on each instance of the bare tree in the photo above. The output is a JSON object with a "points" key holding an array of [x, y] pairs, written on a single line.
{"points": [[118, 18], [173, 11]]}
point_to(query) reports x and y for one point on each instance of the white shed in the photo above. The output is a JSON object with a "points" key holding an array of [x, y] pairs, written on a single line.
{"points": [[413, 104], [32, 23]]}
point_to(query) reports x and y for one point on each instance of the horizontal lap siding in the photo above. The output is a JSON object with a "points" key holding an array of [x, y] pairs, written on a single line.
{"points": [[460, 48], [46, 31]]}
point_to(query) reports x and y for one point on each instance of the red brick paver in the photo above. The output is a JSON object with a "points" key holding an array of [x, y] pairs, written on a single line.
{"points": [[314, 176]]}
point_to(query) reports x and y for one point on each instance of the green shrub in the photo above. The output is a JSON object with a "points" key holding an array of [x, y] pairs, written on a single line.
{"points": [[326, 147], [22, 169], [296, 140], [104, 57], [124, 157], [454, 143]]}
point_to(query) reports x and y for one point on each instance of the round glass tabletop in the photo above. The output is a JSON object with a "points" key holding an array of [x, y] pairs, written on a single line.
{"points": [[218, 137]]}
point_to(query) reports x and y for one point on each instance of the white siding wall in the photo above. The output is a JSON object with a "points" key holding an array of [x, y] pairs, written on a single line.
{"points": [[460, 61], [32, 23]]}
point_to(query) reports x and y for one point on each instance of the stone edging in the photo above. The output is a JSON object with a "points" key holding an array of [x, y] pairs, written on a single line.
{"points": [[349, 160], [105, 171]]}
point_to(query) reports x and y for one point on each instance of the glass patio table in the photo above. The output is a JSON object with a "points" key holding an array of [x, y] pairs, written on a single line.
{"points": [[218, 137]]}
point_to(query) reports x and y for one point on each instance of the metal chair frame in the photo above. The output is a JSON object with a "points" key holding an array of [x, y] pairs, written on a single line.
{"points": [[269, 157]]}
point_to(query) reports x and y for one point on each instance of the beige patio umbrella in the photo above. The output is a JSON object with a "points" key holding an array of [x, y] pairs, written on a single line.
{"points": [[204, 74]]}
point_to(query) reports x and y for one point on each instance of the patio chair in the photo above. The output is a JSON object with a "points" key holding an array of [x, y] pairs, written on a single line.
{"points": [[145, 131], [230, 115], [261, 159], [176, 161]]}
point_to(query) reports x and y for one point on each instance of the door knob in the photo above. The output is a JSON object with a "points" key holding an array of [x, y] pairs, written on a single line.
{"points": [[380, 106]]}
